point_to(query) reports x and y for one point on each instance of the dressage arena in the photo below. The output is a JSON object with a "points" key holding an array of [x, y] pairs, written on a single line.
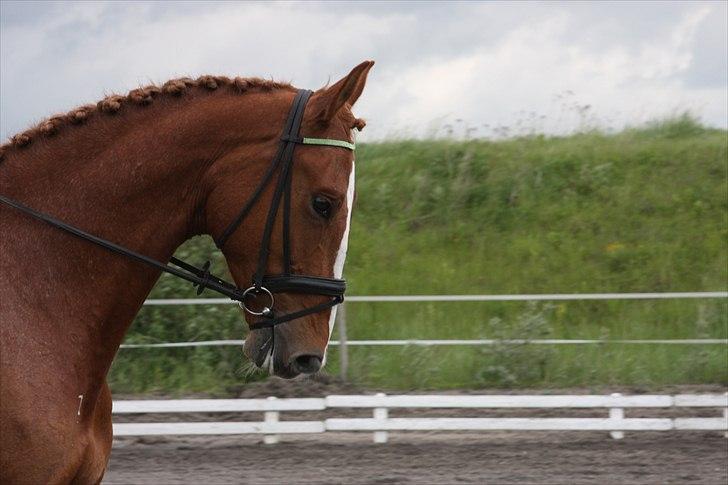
{"points": [[427, 456], [497, 457]]}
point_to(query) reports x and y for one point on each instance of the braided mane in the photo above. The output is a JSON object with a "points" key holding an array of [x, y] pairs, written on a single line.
{"points": [[137, 97]]}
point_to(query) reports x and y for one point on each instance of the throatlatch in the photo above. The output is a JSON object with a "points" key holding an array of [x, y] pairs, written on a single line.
{"points": [[262, 284]]}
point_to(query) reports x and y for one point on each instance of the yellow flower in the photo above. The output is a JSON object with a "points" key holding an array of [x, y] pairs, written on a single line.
{"points": [[560, 310], [613, 247]]}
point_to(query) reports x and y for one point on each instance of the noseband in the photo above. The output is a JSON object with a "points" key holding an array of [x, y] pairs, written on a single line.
{"points": [[263, 285]]}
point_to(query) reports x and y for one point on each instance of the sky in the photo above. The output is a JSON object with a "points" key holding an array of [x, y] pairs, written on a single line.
{"points": [[470, 68]]}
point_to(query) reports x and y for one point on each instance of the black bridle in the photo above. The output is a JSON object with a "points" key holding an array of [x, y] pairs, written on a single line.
{"points": [[262, 284]]}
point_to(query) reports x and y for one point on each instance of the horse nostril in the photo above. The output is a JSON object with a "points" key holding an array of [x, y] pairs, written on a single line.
{"points": [[307, 364]]}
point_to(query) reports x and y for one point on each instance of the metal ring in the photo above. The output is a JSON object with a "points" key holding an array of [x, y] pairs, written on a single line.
{"points": [[266, 309]]}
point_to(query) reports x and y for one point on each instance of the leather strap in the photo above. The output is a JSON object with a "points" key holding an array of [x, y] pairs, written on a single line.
{"points": [[272, 322], [197, 276]]}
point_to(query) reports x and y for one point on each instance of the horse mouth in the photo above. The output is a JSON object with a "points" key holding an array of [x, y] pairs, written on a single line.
{"points": [[287, 352], [260, 348]]}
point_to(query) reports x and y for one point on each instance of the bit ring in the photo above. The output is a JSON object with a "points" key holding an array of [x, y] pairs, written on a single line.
{"points": [[257, 290]]}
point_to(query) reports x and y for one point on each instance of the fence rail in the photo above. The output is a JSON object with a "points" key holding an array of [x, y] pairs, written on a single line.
{"points": [[430, 343], [460, 298], [380, 423], [441, 298], [344, 343]]}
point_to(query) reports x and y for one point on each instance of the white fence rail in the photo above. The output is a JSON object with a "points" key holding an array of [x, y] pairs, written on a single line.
{"points": [[459, 298], [532, 297], [344, 343], [455, 342], [380, 423]]}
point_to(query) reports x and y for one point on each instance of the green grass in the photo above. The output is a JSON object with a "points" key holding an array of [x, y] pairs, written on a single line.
{"points": [[639, 211]]}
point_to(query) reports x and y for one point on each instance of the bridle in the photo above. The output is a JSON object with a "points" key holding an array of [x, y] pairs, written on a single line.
{"points": [[262, 284], [287, 281]]}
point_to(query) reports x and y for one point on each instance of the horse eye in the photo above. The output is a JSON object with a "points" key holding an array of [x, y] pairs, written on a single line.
{"points": [[322, 206]]}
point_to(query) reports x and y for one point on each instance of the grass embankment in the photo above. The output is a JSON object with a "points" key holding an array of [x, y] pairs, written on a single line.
{"points": [[639, 211]]}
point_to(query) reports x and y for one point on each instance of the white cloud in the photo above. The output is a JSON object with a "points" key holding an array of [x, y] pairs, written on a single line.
{"points": [[488, 63], [527, 73]]}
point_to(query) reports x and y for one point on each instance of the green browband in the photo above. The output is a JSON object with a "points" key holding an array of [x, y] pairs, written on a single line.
{"points": [[329, 142]]}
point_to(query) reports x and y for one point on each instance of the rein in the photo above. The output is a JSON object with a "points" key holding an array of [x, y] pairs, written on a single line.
{"points": [[262, 284]]}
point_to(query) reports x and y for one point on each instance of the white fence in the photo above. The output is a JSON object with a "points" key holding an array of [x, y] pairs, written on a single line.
{"points": [[428, 298], [380, 423], [454, 342], [344, 343]]}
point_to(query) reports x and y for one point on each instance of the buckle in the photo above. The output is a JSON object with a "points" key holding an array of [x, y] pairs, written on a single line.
{"points": [[206, 278], [292, 139]]}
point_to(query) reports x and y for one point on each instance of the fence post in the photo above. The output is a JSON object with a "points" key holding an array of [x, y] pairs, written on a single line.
{"points": [[616, 413], [725, 415], [343, 347], [270, 418], [380, 414]]}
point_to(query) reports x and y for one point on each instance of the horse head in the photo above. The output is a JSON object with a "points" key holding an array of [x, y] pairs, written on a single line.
{"points": [[297, 229]]}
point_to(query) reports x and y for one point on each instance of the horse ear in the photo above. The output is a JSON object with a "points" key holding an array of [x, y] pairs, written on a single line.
{"points": [[329, 101]]}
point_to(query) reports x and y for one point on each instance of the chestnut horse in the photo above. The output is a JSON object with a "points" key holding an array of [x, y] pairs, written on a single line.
{"points": [[148, 171]]}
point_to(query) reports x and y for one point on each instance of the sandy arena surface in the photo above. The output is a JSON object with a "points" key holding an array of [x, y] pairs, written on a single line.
{"points": [[495, 457]]}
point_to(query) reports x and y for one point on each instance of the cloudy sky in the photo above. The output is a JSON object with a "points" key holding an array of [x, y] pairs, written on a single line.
{"points": [[549, 67]]}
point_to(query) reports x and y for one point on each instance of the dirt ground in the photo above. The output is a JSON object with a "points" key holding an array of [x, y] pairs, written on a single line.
{"points": [[421, 458]]}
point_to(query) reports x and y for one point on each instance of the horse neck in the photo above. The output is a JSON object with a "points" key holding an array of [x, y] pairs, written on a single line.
{"points": [[142, 189]]}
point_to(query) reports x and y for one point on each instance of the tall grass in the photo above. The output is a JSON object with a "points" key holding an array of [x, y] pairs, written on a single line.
{"points": [[638, 211]]}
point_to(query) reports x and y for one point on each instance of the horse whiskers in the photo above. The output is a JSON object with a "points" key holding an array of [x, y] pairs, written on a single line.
{"points": [[247, 369]]}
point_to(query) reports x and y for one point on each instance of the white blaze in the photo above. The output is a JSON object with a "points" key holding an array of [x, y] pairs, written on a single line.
{"points": [[341, 254]]}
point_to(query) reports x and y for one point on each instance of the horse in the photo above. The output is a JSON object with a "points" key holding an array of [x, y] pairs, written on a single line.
{"points": [[144, 172]]}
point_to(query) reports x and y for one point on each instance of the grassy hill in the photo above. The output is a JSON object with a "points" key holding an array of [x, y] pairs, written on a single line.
{"points": [[644, 210]]}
